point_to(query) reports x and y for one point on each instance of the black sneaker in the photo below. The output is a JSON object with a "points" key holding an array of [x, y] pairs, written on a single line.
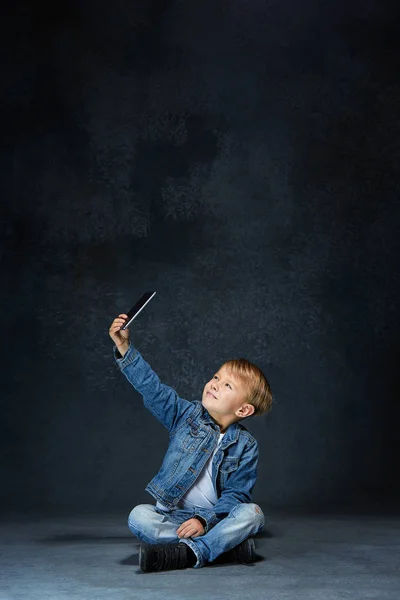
{"points": [[163, 557], [245, 552]]}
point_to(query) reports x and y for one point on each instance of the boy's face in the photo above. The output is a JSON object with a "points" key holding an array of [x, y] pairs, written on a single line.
{"points": [[224, 397]]}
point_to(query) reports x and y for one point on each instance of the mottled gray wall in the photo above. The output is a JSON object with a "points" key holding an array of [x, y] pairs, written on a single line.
{"points": [[240, 158]]}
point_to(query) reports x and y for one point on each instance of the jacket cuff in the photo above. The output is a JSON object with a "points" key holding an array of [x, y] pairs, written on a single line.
{"points": [[127, 359], [209, 517]]}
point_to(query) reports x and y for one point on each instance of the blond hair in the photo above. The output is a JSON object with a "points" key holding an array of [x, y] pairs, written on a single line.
{"points": [[259, 390]]}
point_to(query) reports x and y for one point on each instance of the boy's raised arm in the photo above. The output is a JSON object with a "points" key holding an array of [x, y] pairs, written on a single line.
{"points": [[160, 399]]}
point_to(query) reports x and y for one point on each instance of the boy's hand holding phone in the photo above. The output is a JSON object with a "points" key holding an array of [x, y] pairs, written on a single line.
{"points": [[119, 329], [118, 336]]}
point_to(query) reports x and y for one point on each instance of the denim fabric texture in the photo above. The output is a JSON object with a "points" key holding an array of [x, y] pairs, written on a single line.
{"points": [[193, 436]]}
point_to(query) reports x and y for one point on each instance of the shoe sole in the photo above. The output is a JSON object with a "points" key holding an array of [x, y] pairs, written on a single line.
{"points": [[142, 560]]}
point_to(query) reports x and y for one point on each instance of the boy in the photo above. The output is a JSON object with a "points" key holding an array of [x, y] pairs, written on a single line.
{"points": [[203, 489]]}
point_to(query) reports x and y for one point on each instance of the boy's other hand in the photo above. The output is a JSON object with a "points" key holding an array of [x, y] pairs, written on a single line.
{"points": [[191, 528], [120, 338]]}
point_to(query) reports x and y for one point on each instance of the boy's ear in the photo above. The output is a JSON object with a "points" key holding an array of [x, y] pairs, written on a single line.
{"points": [[251, 409], [246, 410]]}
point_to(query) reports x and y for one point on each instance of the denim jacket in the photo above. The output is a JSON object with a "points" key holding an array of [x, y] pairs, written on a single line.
{"points": [[193, 437]]}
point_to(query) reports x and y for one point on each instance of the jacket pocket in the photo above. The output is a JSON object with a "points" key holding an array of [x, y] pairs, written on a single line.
{"points": [[194, 435], [229, 464]]}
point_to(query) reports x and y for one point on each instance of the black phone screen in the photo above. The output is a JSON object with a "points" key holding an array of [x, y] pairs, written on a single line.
{"points": [[138, 307]]}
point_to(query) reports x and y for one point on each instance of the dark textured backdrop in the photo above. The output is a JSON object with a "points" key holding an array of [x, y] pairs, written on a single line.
{"points": [[242, 159]]}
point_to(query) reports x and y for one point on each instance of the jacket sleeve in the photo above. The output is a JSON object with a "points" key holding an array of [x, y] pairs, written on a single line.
{"points": [[161, 400], [238, 488]]}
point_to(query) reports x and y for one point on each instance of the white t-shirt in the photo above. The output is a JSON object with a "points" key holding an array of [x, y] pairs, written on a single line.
{"points": [[202, 494]]}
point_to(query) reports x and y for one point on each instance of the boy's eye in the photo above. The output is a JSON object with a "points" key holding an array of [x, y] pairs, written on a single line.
{"points": [[216, 376]]}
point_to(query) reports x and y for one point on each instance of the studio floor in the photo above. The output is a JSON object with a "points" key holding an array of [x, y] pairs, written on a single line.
{"points": [[304, 557]]}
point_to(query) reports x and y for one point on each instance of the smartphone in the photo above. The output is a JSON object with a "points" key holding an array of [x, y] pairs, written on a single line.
{"points": [[138, 307]]}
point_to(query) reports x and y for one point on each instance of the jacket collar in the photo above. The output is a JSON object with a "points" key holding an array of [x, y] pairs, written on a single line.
{"points": [[231, 434]]}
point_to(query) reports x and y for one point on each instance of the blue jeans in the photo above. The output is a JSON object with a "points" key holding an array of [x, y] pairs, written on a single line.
{"points": [[155, 526]]}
